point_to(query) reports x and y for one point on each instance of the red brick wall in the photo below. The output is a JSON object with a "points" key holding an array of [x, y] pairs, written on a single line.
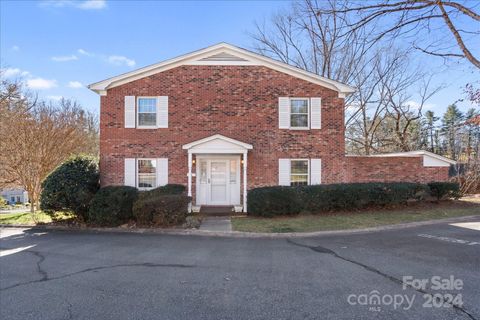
{"points": [[240, 102], [392, 169]]}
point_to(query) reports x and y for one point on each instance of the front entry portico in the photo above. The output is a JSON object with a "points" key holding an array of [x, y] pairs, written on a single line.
{"points": [[219, 161]]}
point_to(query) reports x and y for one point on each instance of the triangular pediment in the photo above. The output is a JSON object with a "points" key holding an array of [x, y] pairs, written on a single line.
{"points": [[221, 54], [217, 144]]}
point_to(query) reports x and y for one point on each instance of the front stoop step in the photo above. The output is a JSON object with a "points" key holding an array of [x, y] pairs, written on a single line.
{"points": [[216, 224], [217, 210]]}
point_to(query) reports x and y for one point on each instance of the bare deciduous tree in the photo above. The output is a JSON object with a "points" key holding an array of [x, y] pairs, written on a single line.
{"points": [[36, 137], [314, 43], [384, 117], [404, 113], [436, 27]]}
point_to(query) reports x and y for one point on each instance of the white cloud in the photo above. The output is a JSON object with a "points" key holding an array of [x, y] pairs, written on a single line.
{"points": [[15, 48], [121, 60], [14, 72], [416, 105], [92, 4], [56, 98], [84, 5], [84, 52], [11, 72], [413, 104], [41, 84], [75, 84], [65, 58], [32, 82]]}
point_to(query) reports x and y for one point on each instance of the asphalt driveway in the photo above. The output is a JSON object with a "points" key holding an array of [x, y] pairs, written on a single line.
{"points": [[60, 275]]}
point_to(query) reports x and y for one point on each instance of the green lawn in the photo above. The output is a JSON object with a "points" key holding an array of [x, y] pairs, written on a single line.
{"points": [[26, 217], [341, 221]]}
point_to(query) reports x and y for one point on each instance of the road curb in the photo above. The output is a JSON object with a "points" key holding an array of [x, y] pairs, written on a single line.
{"points": [[239, 234]]}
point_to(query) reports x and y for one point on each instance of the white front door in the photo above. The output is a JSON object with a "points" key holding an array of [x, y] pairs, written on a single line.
{"points": [[218, 181]]}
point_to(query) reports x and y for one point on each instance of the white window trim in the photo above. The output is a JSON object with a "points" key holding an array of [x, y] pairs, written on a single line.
{"points": [[137, 108], [290, 112], [308, 170], [136, 173]]}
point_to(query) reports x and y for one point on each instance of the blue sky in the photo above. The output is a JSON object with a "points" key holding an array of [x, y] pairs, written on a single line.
{"points": [[59, 47]]}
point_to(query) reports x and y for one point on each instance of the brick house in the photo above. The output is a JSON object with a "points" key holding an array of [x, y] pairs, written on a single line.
{"points": [[223, 120]]}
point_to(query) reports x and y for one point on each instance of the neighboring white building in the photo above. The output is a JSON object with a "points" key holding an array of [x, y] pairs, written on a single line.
{"points": [[14, 195]]}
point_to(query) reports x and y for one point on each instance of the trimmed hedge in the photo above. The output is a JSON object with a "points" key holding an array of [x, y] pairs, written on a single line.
{"points": [[163, 210], [71, 186], [164, 190], [358, 195], [272, 201], [441, 190], [112, 205]]}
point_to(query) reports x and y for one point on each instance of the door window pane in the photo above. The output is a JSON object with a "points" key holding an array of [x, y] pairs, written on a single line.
{"points": [[233, 171], [203, 172], [147, 173], [218, 172]]}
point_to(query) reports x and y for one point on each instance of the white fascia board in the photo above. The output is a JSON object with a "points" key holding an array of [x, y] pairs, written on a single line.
{"points": [[437, 157], [192, 59], [417, 153]]}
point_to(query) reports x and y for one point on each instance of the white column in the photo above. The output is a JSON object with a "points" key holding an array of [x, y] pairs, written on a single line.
{"points": [[190, 179], [244, 182]]}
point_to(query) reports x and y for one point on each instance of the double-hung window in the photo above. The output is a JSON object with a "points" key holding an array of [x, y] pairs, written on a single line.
{"points": [[147, 112], [299, 172], [146, 173], [299, 113]]}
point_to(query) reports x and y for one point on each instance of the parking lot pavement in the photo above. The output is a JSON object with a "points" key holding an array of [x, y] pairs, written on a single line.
{"points": [[387, 274]]}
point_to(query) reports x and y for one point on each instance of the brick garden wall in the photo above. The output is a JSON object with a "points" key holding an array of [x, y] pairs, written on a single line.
{"points": [[392, 169]]}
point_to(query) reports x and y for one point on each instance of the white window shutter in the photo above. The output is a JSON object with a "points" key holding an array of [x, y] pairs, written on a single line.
{"points": [[315, 171], [162, 112], [162, 172], [283, 172], [316, 113], [283, 113], [129, 172], [129, 111]]}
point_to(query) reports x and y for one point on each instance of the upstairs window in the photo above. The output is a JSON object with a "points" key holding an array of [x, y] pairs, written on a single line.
{"points": [[299, 113], [147, 112]]}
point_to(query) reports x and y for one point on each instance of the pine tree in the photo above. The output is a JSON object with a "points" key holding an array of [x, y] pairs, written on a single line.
{"points": [[451, 123], [430, 122]]}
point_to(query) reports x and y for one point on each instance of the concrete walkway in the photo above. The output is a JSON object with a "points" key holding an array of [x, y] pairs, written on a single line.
{"points": [[219, 224]]}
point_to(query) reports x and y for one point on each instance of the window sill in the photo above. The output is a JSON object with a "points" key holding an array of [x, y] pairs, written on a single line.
{"points": [[299, 128], [147, 127]]}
